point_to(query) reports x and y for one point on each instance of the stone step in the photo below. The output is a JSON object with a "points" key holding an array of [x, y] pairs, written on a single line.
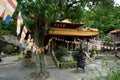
{"points": [[51, 66], [50, 62]]}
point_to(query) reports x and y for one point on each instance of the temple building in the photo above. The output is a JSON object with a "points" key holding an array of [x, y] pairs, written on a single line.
{"points": [[69, 35]]}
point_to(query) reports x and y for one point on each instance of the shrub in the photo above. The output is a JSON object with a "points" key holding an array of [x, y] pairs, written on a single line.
{"points": [[68, 64], [20, 56], [62, 51], [74, 54], [9, 48], [108, 42]]}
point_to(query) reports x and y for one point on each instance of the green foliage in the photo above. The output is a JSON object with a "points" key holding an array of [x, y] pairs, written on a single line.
{"points": [[28, 54], [62, 51], [9, 48], [20, 56], [108, 41], [100, 14], [8, 28], [112, 75], [93, 50], [68, 64], [74, 54]]}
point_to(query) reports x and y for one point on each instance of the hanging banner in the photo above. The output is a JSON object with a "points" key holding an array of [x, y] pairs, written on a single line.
{"points": [[19, 22], [9, 9], [23, 34], [2, 8]]}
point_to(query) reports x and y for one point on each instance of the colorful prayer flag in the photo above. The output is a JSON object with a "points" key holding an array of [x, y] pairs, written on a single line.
{"points": [[34, 48], [2, 8], [29, 38], [30, 44], [23, 34], [9, 10], [19, 22]]}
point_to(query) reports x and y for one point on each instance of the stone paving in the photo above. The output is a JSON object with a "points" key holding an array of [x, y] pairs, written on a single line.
{"points": [[92, 70], [8, 60], [14, 71]]}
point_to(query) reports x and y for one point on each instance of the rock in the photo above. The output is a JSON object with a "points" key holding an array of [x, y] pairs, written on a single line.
{"points": [[67, 58]]}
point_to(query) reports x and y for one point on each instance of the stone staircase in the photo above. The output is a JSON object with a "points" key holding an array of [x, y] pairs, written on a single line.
{"points": [[50, 61]]}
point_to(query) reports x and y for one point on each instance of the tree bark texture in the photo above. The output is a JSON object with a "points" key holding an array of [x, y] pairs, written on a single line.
{"points": [[39, 35]]}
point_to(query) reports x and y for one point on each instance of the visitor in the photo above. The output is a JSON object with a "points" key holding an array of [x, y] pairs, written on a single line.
{"points": [[81, 59]]}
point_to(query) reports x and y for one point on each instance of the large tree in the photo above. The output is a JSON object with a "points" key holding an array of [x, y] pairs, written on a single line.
{"points": [[38, 15]]}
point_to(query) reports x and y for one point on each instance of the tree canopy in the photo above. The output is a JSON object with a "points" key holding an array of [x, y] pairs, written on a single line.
{"points": [[101, 14]]}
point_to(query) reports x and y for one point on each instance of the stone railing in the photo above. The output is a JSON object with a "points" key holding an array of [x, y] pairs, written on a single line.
{"points": [[55, 59]]}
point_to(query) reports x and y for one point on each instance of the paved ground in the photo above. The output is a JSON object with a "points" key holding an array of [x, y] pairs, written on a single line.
{"points": [[14, 71], [8, 60], [11, 69], [92, 70]]}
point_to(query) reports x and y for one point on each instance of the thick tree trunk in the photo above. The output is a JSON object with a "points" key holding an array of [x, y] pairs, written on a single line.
{"points": [[41, 65], [39, 35]]}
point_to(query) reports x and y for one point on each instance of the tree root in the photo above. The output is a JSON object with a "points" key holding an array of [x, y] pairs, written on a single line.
{"points": [[37, 76]]}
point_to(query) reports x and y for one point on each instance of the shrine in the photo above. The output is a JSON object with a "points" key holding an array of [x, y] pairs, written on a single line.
{"points": [[67, 34]]}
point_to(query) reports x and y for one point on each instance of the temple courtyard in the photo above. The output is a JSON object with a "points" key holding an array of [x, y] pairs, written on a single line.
{"points": [[11, 69]]}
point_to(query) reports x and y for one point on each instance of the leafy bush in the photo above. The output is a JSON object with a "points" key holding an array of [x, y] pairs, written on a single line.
{"points": [[68, 64], [74, 54], [108, 42], [62, 51], [9, 48], [93, 51], [20, 56]]}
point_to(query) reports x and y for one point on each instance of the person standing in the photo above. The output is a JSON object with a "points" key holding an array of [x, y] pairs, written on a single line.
{"points": [[81, 59]]}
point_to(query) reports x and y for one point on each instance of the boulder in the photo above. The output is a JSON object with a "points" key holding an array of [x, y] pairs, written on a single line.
{"points": [[67, 58]]}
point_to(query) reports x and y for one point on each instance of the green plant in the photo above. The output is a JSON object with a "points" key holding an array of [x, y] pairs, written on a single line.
{"points": [[113, 75], [93, 50], [74, 54], [67, 64], [28, 54], [9, 48], [62, 51], [20, 56], [108, 42]]}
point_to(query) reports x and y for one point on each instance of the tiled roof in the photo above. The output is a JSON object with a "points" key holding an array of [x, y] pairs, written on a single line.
{"points": [[115, 31], [74, 32]]}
